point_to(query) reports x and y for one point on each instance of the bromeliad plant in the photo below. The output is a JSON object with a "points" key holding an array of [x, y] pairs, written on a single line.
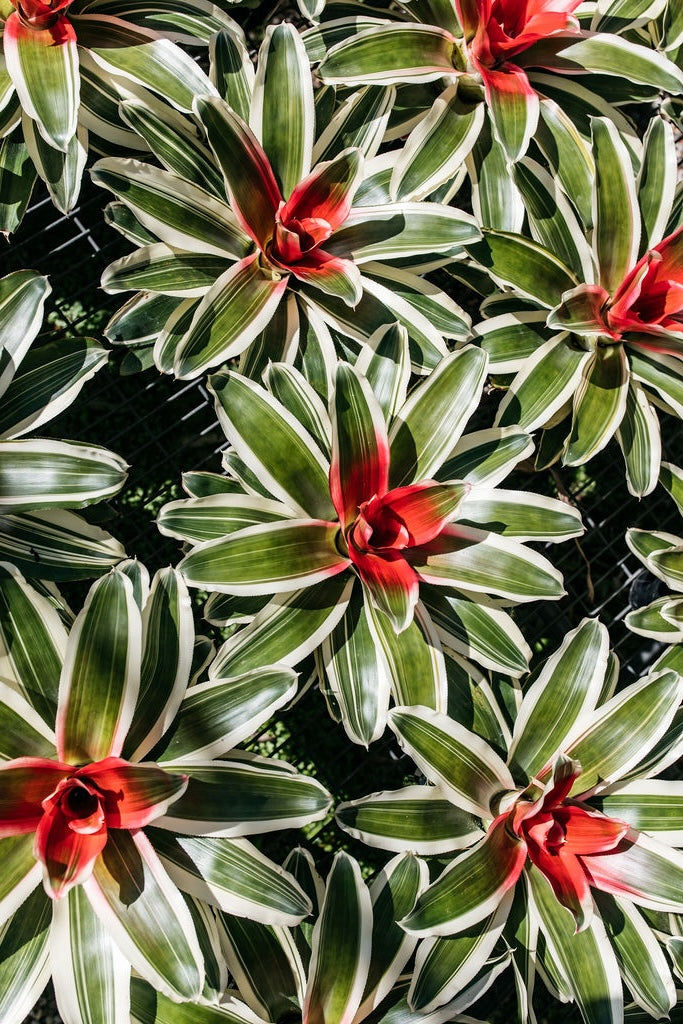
{"points": [[591, 331], [42, 479], [346, 964], [121, 791], [510, 69], [246, 243], [563, 841], [377, 529], [65, 65]]}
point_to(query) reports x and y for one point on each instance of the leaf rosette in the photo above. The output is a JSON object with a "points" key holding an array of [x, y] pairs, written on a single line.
{"points": [[477, 80], [371, 533], [122, 790], [566, 849], [590, 343], [259, 241], [347, 963]]}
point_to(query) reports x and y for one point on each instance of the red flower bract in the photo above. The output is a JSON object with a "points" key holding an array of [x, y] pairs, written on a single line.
{"points": [[561, 836], [72, 809], [39, 15], [498, 30]]}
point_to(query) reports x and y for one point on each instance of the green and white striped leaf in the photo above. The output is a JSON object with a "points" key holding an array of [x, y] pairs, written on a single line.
{"points": [[32, 644], [462, 764], [520, 514], [145, 915], [22, 301], [47, 381], [233, 875], [552, 220], [357, 673], [341, 947], [640, 442], [385, 363], [586, 957], [265, 963], [395, 231], [22, 728], [41, 473], [167, 644], [291, 388], [389, 55], [159, 268], [216, 716], [173, 141], [176, 211], [511, 338], [289, 628], [61, 171], [446, 965], [57, 545], [656, 182], [414, 659], [213, 516], [417, 818], [232, 71], [649, 805], [265, 797], [272, 558], [546, 381], [22, 874], [642, 962], [496, 200], [660, 620], [282, 114], [91, 975], [273, 444], [450, 319], [379, 306], [599, 403], [671, 477], [486, 456], [437, 146], [393, 893], [616, 215], [232, 313], [480, 562], [138, 56], [564, 692], [487, 635], [615, 55], [567, 152], [101, 674], [430, 422], [529, 268], [471, 888], [46, 78], [25, 957], [660, 373], [624, 729], [359, 122], [17, 175]]}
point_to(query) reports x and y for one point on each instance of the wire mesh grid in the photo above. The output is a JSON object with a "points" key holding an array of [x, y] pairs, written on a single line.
{"points": [[162, 427]]}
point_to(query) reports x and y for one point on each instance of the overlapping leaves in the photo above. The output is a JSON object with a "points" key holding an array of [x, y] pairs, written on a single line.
{"points": [[567, 823], [104, 713], [375, 526], [42, 480]]}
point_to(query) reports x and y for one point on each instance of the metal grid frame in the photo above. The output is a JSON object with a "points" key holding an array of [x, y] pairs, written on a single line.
{"points": [[162, 426]]}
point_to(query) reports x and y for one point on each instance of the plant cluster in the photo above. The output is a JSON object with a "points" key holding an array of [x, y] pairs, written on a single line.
{"points": [[418, 244]]}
